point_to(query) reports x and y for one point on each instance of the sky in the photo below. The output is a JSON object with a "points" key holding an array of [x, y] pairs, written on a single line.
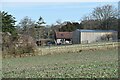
{"points": [[51, 11]]}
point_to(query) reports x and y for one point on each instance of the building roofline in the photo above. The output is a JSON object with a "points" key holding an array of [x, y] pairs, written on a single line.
{"points": [[81, 30]]}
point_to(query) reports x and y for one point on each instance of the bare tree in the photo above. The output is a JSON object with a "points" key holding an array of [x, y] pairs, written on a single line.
{"points": [[103, 17], [102, 14], [26, 23]]}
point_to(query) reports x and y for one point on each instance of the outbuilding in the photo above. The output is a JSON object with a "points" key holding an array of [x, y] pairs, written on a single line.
{"points": [[63, 37], [89, 36]]}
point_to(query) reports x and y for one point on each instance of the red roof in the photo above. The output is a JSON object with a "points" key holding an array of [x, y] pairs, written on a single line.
{"points": [[63, 35]]}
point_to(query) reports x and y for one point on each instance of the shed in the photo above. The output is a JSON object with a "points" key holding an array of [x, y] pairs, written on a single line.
{"points": [[89, 36]]}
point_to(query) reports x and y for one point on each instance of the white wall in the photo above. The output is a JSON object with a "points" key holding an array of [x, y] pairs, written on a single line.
{"points": [[58, 40], [92, 36]]}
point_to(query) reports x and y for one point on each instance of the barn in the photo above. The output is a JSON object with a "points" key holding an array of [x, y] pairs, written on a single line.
{"points": [[63, 37], [90, 36]]}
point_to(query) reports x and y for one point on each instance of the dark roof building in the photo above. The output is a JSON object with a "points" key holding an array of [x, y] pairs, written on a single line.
{"points": [[63, 37]]}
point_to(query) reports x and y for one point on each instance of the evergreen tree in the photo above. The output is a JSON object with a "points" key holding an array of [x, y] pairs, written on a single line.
{"points": [[8, 23]]}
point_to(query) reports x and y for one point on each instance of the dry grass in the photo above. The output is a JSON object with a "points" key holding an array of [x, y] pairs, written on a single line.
{"points": [[77, 48]]}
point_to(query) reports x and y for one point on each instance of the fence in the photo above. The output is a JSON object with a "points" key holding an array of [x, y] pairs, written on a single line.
{"points": [[77, 48]]}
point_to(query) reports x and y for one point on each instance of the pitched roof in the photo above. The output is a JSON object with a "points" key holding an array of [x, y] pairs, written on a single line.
{"points": [[63, 35]]}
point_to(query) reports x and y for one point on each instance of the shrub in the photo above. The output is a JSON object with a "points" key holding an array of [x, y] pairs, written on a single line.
{"points": [[23, 44]]}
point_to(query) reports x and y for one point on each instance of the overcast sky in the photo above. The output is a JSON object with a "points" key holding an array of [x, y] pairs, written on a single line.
{"points": [[52, 11]]}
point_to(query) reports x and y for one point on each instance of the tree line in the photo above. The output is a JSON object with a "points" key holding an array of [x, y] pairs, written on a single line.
{"points": [[102, 18]]}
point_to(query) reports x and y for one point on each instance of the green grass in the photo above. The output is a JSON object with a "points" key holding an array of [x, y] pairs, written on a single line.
{"points": [[86, 64]]}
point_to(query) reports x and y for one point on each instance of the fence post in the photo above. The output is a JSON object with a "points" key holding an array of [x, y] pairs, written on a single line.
{"points": [[113, 44]]}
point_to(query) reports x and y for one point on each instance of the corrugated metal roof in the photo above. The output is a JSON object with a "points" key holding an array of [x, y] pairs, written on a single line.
{"points": [[81, 30]]}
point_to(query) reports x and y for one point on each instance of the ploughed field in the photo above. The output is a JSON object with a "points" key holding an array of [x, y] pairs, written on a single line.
{"points": [[85, 64]]}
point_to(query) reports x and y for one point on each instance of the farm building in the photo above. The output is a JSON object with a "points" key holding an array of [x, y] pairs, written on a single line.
{"points": [[63, 37], [89, 36]]}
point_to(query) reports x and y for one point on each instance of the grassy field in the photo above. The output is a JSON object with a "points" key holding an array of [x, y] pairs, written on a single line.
{"points": [[85, 64]]}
